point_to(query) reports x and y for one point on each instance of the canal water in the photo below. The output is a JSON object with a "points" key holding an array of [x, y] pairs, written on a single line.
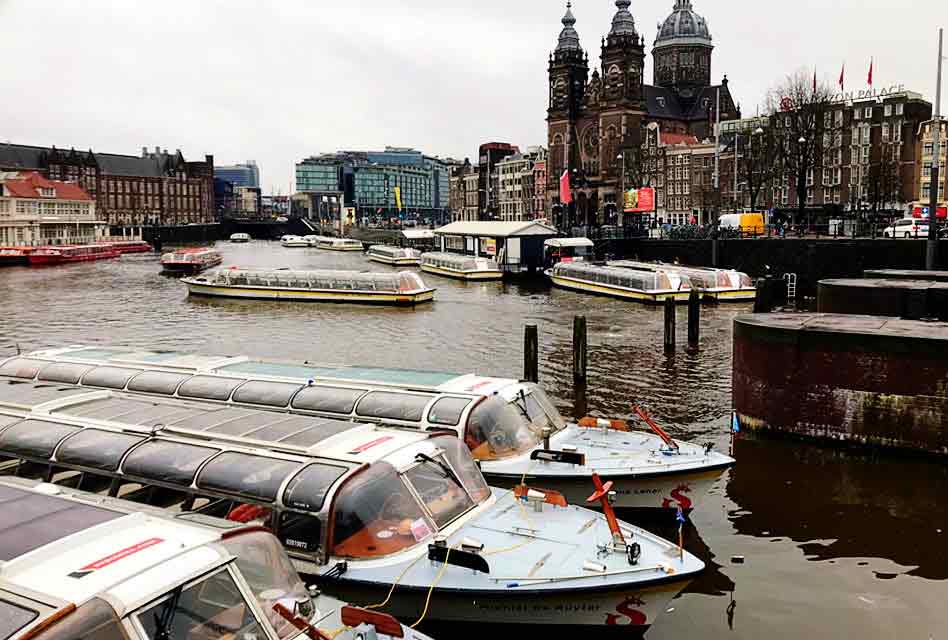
{"points": [[833, 544]]}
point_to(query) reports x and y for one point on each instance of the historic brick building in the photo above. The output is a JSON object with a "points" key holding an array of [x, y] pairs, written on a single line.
{"points": [[156, 188], [597, 123]]}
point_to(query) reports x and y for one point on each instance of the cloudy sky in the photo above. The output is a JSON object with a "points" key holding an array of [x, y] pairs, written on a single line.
{"points": [[279, 80]]}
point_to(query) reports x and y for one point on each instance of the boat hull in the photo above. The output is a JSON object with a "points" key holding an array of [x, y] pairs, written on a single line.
{"points": [[396, 262], [654, 493], [730, 295], [14, 261], [187, 268], [646, 297], [474, 276], [296, 245], [300, 295], [50, 260], [629, 610], [342, 249]]}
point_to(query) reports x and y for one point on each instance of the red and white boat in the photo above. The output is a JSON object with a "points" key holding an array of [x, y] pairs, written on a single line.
{"points": [[12, 256], [72, 253], [190, 261], [129, 246]]}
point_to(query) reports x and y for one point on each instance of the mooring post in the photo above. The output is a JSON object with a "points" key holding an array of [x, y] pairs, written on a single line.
{"points": [[531, 354], [694, 320], [579, 351], [670, 325]]}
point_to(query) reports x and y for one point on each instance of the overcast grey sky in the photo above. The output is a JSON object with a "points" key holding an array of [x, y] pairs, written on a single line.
{"points": [[279, 80]]}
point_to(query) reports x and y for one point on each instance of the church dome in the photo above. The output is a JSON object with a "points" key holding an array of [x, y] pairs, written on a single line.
{"points": [[683, 25], [569, 39]]}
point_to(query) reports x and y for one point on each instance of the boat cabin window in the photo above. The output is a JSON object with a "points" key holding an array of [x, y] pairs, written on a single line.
{"points": [[497, 428], [265, 566], [169, 462], [328, 399], [394, 406], [241, 474], [64, 372], [22, 368], [375, 515], [34, 439], [438, 485], [448, 411], [97, 449], [209, 609], [270, 394], [13, 618], [157, 382], [109, 377], [209, 388], [307, 490], [95, 620]]}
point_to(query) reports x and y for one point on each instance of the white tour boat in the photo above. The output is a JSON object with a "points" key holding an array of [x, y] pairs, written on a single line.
{"points": [[354, 287], [511, 427], [558, 250], [394, 256], [294, 242], [240, 238], [313, 241], [716, 285], [378, 516], [461, 267], [340, 244], [77, 565], [651, 286]]}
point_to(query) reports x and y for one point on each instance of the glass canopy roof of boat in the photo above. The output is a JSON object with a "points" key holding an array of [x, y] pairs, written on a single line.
{"points": [[362, 374]]}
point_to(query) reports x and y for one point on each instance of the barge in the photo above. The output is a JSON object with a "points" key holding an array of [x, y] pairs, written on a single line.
{"points": [[399, 289], [361, 509], [511, 427]]}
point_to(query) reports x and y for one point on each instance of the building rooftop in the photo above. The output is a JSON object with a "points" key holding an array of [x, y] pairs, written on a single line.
{"points": [[496, 229], [28, 184]]}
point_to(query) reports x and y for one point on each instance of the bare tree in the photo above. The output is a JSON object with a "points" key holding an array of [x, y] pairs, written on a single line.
{"points": [[799, 107], [758, 165], [885, 179]]}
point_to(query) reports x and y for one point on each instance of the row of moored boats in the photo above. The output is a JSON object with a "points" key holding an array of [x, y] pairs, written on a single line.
{"points": [[68, 254], [418, 495]]}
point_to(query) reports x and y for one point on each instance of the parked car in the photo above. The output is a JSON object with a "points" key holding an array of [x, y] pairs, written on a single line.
{"points": [[907, 228]]}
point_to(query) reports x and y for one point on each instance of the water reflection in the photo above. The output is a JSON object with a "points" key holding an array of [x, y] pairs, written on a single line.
{"points": [[837, 505]]}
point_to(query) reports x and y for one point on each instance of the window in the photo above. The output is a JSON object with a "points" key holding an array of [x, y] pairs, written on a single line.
{"points": [[213, 607], [95, 620], [868, 113], [899, 109], [885, 132], [256, 477], [13, 618], [866, 135], [888, 110]]}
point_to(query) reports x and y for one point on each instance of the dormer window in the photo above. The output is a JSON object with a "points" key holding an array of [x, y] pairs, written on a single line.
{"points": [[46, 192]]}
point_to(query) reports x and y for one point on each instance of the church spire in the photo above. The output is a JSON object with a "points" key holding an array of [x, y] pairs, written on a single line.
{"points": [[623, 24], [569, 38]]}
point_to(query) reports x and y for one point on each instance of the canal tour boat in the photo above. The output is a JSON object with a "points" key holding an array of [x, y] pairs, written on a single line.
{"points": [[294, 242], [399, 289], [340, 244], [80, 565], [190, 261], [129, 246], [652, 286], [460, 266], [511, 427], [390, 518], [714, 285], [15, 256], [558, 250], [394, 256], [68, 254], [240, 238], [313, 241]]}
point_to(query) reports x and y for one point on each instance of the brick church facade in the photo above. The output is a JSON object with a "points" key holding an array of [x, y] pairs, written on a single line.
{"points": [[598, 124]]}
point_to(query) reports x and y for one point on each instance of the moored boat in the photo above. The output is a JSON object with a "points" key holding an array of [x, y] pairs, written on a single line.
{"points": [[128, 246], [190, 261], [113, 568], [394, 256], [460, 267], [294, 242], [360, 508], [650, 286], [14, 256], [313, 241], [716, 285], [404, 288], [340, 244], [68, 254], [568, 250], [240, 238], [511, 427]]}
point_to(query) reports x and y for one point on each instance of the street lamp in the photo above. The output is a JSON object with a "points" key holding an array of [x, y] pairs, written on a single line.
{"points": [[621, 199]]}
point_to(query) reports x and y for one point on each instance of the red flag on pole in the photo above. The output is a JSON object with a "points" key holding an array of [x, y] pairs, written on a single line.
{"points": [[566, 196], [872, 64], [842, 78]]}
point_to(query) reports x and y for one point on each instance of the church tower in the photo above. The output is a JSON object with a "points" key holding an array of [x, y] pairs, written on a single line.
{"points": [[568, 74], [682, 53]]}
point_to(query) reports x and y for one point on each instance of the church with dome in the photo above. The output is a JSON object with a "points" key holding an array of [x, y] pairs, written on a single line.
{"points": [[604, 123]]}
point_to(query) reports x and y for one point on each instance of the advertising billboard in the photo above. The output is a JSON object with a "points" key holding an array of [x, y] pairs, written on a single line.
{"points": [[640, 200]]}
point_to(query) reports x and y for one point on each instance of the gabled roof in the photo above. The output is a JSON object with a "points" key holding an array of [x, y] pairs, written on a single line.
{"points": [[28, 184], [674, 139], [496, 229]]}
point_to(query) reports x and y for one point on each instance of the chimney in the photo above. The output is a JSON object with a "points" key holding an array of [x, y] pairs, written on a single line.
{"points": [[157, 151], [144, 152]]}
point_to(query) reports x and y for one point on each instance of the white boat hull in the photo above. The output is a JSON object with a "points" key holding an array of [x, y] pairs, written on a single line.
{"points": [[300, 295]]}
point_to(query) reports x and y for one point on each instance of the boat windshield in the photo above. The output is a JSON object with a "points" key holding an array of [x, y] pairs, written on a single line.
{"points": [[378, 513], [13, 618], [500, 428], [95, 619], [271, 576]]}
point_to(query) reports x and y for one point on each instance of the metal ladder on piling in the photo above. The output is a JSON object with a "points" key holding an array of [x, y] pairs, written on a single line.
{"points": [[791, 279]]}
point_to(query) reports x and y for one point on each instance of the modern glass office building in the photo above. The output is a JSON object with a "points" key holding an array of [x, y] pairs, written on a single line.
{"points": [[240, 175]]}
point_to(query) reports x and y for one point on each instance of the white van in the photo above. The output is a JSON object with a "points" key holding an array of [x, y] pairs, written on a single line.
{"points": [[907, 228]]}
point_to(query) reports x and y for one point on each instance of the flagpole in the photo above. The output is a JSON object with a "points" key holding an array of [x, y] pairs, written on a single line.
{"points": [[931, 254]]}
